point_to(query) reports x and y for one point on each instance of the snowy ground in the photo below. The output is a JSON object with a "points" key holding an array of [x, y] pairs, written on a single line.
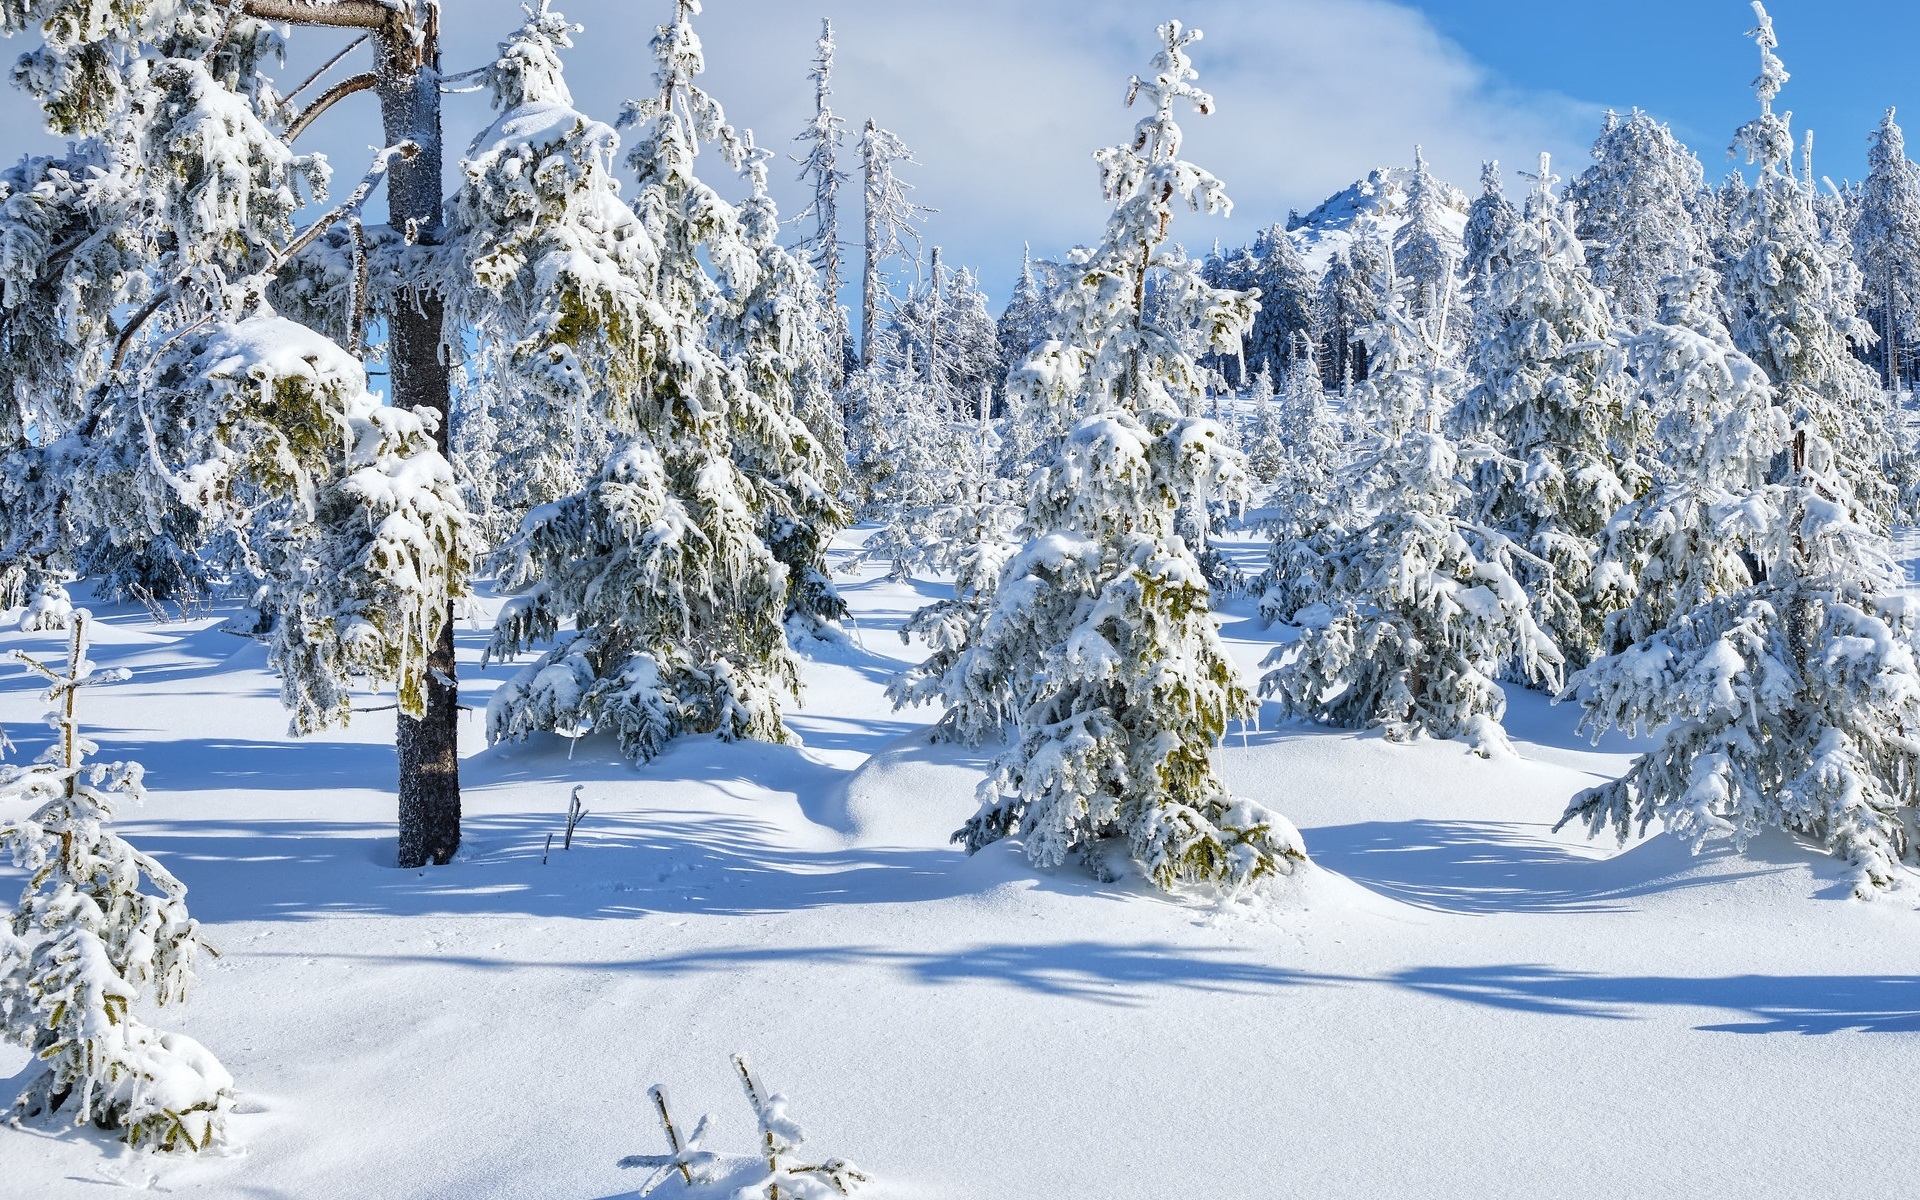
{"points": [[1455, 1002]]}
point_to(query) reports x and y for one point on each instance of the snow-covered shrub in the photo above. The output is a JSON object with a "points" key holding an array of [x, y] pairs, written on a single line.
{"points": [[50, 609], [85, 944]]}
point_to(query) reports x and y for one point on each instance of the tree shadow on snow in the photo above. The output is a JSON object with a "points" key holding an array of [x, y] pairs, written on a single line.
{"points": [[1806, 1004], [1101, 972], [620, 866], [1497, 867]]}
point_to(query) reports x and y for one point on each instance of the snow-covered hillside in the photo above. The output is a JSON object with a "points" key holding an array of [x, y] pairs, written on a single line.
{"points": [[1372, 207], [1453, 1002]]}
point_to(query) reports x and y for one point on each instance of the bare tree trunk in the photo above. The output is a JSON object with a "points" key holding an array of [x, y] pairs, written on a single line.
{"points": [[1892, 347], [870, 267], [429, 747], [933, 336]]}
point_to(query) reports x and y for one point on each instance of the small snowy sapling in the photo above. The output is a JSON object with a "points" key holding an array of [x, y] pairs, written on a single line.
{"points": [[85, 944], [769, 1174]]}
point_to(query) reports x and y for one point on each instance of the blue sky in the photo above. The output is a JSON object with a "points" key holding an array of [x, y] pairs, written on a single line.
{"points": [[1005, 100], [1685, 62]]}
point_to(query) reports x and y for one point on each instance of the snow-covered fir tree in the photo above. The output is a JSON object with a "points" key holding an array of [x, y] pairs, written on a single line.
{"points": [[1266, 434], [1719, 431], [1490, 218], [1782, 705], [970, 533], [1022, 324], [1550, 396], [1792, 313], [1348, 302], [1100, 640], [100, 928], [1301, 502], [1287, 287], [1419, 610], [1638, 213], [662, 562], [921, 455], [1426, 251], [1886, 243], [1311, 450], [1287, 290], [944, 320], [550, 276], [788, 438]]}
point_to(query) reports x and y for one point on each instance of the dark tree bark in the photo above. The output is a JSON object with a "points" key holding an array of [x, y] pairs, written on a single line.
{"points": [[429, 747]]}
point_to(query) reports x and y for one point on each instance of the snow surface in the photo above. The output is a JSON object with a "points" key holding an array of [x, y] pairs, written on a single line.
{"points": [[1455, 1002]]}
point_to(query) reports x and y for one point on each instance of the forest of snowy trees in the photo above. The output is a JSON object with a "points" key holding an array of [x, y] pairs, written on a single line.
{"points": [[1627, 436]]}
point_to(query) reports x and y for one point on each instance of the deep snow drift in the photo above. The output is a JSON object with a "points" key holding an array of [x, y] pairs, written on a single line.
{"points": [[1453, 1002]]}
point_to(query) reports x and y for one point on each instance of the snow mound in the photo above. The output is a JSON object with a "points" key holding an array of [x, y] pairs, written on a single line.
{"points": [[914, 793]]}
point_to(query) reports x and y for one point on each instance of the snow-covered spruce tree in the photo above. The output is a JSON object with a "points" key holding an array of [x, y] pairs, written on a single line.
{"points": [[661, 562], [1426, 252], [1423, 610], [1794, 315], [969, 534], [1638, 213], [1549, 394], [1287, 290], [98, 928], [1490, 218], [788, 437], [1349, 300], [1786, 704], [193, 411], [1886, 242], [1100, 635], [550, 270], [1023, 324], [823, 137], [1302, 498], [1310, 447], [1668, 553], [920, 456]]}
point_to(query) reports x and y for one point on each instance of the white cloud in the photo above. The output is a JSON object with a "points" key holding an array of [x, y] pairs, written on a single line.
{"points": [[1004, 101]]}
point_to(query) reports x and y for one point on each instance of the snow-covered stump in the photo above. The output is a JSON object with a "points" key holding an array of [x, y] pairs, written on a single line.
{"points": [[85, 944]]}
